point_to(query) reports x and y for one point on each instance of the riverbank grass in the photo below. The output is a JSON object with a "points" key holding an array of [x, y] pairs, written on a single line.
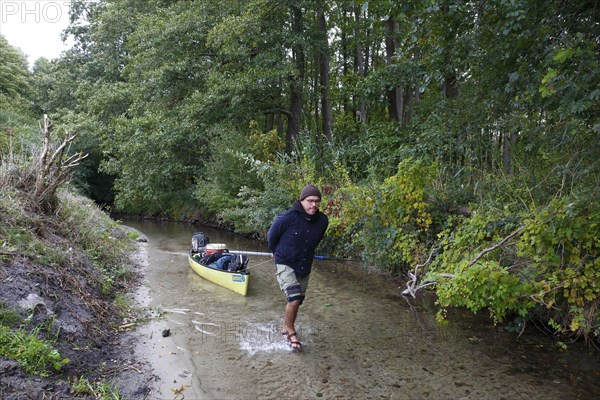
{"points": [[36, 356]]}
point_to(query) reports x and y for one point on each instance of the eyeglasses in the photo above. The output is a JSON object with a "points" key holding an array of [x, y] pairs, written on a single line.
{"points": [[315, 202]]}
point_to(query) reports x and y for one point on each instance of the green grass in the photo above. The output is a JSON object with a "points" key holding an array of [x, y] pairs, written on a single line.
{"points": [[36, 356], [8, 317], [98, 390], [102, 238]]}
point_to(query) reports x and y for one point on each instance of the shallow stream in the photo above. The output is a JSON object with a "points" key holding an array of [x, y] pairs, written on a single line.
{"points": [[362, 339]]}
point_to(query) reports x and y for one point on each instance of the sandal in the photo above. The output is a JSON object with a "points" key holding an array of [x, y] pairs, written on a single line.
{"points": [[294, 344]]}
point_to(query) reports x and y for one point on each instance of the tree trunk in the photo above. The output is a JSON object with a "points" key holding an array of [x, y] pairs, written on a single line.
{"points": [[409, 109], [451, 89], [315, 96], [279, 124], [296, 80], [362, 111], [344, 45], [411, 97], [393, 92], [269, 121], [451, 86], [324, 76], [509, 141]]}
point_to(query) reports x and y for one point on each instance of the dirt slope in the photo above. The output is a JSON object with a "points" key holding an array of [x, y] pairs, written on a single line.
{"points": [[67, 305]]}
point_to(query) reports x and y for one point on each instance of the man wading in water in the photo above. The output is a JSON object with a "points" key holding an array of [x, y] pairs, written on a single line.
{"points": [[293, 238]]}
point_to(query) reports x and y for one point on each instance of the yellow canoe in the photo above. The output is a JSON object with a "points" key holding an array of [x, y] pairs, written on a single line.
{"points": [[236, 281]]}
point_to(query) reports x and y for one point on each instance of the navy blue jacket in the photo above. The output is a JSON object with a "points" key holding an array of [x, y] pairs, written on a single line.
{"points": [[294, 236]]}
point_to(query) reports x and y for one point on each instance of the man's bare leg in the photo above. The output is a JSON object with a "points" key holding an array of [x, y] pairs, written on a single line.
{"points": [[291, 312], [289, 319]]}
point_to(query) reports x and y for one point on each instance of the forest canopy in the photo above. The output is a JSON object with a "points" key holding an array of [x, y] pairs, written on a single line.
{"points": [[456, 142]]}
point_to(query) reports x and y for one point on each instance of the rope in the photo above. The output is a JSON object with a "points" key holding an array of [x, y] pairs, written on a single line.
{"points": [[259, 264]]}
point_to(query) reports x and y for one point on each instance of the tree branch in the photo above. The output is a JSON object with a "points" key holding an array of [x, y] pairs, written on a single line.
{"points": [[277, 110], [494, 247], [412, 287]]}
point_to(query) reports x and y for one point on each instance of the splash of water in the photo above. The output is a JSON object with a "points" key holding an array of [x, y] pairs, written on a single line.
{"points": [[265, 337]]}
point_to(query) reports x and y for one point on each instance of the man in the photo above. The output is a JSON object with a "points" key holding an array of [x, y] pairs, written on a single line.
{"points": [[293, 238]]}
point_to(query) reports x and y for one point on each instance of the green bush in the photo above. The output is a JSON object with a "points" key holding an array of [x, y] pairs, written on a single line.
{"points": [[226, 172], [386, 222], [538, 263]]}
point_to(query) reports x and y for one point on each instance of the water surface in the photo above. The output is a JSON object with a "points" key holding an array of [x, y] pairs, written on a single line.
{"points": [[362, 339]]}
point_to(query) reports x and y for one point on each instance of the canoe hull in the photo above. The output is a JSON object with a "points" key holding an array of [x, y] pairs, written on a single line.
{"points": [[236, 281]]}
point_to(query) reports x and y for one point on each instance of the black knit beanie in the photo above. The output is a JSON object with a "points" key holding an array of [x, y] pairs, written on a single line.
{"points": [[309, 190]]}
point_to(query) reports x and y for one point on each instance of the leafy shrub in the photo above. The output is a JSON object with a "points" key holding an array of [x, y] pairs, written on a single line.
{"points": [[226, 171], [281, 181], [538, 263], [386, 222], [265, 146]]}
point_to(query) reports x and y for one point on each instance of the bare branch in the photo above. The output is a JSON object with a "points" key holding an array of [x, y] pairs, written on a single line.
{"points": [[538, 297], [494, 247], [411, 284], [53, 171]]}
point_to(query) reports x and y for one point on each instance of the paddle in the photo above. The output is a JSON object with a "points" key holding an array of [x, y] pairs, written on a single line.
{"points": [[265, 254]]}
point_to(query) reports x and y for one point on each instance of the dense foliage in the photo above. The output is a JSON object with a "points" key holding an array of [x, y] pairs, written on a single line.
{"points": [[466, 131]]}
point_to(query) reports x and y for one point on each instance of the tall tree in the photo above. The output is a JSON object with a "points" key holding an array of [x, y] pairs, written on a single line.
{"points": [[394, 91], [327, 118], [14, 75], [359, 60], [451, 86], [15, 90], [296, 77]]}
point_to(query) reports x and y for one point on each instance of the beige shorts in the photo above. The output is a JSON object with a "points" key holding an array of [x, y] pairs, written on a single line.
{"points": [[293, 287]]}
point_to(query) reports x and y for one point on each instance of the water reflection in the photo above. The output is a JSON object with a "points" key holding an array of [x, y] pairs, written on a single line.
{"points": [[361, 338]]}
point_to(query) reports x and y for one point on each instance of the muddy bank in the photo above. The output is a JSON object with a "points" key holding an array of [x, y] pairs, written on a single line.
{"points": [[82, 323]]}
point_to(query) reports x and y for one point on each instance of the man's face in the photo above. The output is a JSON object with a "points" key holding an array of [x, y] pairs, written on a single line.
{"points": [[311, 204]]}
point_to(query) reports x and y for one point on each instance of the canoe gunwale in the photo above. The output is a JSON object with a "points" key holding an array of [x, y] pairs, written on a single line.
{"points": [[243, 271]]}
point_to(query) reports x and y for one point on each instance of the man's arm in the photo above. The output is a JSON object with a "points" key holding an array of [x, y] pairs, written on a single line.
{"points": [[325, 229], [275, 233]]}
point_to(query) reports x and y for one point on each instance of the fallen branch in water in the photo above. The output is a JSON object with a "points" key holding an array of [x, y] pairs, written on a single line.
{"points": [[412, 286]]}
